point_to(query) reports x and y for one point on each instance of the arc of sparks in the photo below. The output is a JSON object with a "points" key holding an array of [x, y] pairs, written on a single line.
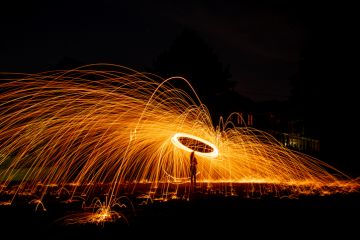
{"points": [[62, 127]]}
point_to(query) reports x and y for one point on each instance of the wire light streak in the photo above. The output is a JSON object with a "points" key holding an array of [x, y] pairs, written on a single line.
{"points": [[110, 124], [199, 145]]}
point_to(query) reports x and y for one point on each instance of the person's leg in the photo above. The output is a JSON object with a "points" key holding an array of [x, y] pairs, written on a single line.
{"points": [[195, 177]]}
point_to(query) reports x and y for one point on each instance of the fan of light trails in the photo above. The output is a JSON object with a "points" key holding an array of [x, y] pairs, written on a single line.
{"points": [[110, 124]]}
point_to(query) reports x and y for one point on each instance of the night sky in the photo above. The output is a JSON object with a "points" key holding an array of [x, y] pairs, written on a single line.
{"points": [[262, 44]]}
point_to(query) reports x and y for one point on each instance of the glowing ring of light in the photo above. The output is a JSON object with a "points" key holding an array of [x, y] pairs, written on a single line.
{"points": [[175, 140]]}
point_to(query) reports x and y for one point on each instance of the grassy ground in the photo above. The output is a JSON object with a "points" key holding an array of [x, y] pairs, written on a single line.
{"points": [[202, 216]]}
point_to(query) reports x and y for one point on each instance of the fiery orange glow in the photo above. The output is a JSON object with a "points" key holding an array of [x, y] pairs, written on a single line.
{"points": [[110, 124], [200, 146]]}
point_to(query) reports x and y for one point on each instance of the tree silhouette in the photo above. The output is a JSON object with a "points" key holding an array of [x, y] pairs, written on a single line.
{"points": [[190, 57]]}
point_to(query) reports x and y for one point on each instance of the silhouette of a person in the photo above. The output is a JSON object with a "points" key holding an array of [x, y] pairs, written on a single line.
{"points": [[193, 163]]}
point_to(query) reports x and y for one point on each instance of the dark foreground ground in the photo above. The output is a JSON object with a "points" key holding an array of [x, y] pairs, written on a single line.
{"points": [[203, 216]]}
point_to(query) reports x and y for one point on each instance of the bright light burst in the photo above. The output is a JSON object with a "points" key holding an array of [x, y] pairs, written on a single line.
{"points": [[191, 143], [110, 124]]}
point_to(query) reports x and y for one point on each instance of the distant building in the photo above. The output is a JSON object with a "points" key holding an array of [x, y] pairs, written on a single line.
{"points": [[291, 133], [276, 118], [297, 142]]}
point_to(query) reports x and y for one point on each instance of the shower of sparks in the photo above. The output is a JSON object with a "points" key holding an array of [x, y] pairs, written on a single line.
{"points": [[105, 124]]}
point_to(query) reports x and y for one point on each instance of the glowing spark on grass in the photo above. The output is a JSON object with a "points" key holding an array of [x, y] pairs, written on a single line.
{"points": [[103, 212], [100, 217], [38, 203], [109, 124], [5, 203]]}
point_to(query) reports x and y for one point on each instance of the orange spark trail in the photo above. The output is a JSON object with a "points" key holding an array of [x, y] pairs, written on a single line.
{"points": [[110, 124]]}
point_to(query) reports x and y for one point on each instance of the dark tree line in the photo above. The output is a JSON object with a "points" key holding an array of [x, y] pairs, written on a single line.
{"points": [[192, 58]]}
